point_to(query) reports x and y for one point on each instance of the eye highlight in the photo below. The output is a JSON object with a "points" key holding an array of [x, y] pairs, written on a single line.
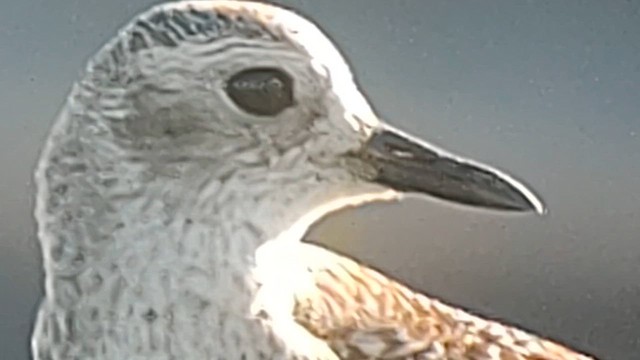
{"points": [[261, 91]]}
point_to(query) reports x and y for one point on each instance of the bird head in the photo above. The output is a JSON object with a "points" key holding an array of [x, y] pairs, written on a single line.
{"points": [[201, 89]]}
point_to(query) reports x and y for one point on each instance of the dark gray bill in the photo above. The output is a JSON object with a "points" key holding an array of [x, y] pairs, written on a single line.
{"points": [[409, 165]]}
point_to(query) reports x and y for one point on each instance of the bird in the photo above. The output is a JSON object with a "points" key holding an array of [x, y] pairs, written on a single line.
{"points": [[185, 168]]}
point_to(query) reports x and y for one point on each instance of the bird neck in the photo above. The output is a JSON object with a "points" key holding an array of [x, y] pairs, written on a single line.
{"points": [[170, 244]]}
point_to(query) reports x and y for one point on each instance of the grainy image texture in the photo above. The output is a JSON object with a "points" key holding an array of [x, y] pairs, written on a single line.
{"points": [[171, 205]]}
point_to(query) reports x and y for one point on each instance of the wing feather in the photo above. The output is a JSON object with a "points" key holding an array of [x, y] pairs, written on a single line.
{"points": [[363, 314]]}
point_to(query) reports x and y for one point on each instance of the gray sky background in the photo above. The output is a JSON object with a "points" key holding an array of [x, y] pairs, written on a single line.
{"points": [[549, 90]]}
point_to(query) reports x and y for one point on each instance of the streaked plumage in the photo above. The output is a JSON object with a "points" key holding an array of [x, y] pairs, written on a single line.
{"points": [[363, 314], [182, 173]]}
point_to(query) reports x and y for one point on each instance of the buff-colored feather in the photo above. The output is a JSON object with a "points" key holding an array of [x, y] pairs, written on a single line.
{"points": [[363, 314]]}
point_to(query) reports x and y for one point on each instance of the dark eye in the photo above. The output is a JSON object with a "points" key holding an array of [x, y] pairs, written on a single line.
{"points": [[261, 91]]}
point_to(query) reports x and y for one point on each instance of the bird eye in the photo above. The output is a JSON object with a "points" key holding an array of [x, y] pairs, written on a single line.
{"points": [[261, 91]]}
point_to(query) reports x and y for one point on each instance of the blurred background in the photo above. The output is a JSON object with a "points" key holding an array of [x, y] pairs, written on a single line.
{"points": [[549, 90]]}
